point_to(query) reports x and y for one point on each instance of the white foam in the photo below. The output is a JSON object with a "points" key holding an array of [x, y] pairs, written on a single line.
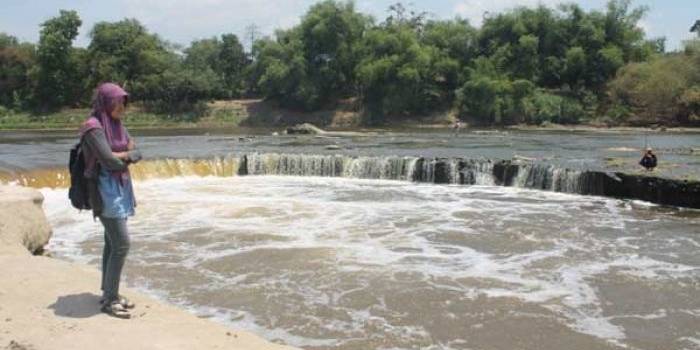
{"points": [[540, 247]]}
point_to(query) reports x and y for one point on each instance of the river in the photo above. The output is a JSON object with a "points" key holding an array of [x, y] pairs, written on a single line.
{"points": [[340, 249]]}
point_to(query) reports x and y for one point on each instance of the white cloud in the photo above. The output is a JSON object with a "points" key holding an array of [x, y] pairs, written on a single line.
{"points": [[474, 10]]}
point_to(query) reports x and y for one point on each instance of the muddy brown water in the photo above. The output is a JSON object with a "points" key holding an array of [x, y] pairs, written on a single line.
{"points": [[332, 263], [347, 263]]}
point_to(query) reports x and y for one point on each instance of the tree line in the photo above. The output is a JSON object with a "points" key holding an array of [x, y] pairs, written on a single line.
{"points": [[525, 65]]}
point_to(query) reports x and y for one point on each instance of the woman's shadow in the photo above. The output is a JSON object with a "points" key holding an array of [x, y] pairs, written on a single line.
{"points": [[81, 305]]}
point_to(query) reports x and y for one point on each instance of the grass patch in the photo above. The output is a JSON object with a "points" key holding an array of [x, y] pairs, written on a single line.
{"points": [[225, 114], [217, 114]]}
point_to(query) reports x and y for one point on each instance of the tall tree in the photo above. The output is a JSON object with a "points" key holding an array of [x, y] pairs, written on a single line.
{"points": [[456, 40], [232, 63], [125, 52], [224, 58], [58, 83], [204, 56], [312, 63], [16, 61], [399, 75], [665, 89]]}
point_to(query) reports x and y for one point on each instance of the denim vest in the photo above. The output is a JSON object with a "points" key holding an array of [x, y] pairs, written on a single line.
{"points": [[117, 199]]}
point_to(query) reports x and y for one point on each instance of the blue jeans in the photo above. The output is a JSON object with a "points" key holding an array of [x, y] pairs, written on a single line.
{"points": [[113, 256]]}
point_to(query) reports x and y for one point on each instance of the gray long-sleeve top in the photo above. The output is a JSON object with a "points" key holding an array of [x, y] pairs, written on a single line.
{"points": [[96, 142]]}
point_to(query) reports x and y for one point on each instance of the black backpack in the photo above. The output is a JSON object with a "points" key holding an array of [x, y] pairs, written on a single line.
{"points": [[78, 192]]}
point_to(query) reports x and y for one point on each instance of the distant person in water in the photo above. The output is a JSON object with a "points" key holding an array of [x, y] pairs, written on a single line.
{"points": [[108, 150], [648, 160], [456, 126]]}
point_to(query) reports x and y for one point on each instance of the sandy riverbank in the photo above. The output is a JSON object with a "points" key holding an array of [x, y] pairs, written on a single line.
{"points": [[46, 303]]}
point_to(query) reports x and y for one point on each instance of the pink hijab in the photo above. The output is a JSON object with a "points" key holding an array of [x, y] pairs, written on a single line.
{"points": [[107, 96]]}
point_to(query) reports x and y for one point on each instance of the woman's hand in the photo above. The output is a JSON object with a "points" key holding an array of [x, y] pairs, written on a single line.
{"points": [[121, 155]]}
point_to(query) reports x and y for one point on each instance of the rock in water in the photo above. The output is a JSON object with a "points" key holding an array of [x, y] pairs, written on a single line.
{"points": [[304, 129], [22, 220]]}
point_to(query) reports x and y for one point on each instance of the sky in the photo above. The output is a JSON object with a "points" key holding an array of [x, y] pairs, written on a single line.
{"points": [[182, 21]]}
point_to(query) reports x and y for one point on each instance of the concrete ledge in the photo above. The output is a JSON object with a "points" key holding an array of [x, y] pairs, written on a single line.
{"points": [[47, 303], [680, 193]]}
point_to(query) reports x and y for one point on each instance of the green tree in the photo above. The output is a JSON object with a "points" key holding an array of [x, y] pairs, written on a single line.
{"points": [[402, 16], [575, 67], [225, 59], [399, 75], [456, 41], [57, 80], [280, 71], [661, 90], [16, 61], [330, 33], [526, 60], [544, 107], [232, 64], [164, 82], [313, 63], [520, 41], [489, 97], [203, 54], [177, 91], [125, 52], [622, 29], [538, 64], [204, 57], [609, 60], [485, 99]]}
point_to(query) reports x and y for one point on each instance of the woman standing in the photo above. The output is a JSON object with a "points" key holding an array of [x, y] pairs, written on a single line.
{"points": [[108, 151]]}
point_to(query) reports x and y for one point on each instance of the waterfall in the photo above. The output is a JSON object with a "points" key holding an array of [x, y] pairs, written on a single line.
{"points": [[417, 169], [458, 171], [430, 170], [567, 180], [549, 177], [165, 168], [427, 171], [384, 168], [477, 172], [144, 170]]}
